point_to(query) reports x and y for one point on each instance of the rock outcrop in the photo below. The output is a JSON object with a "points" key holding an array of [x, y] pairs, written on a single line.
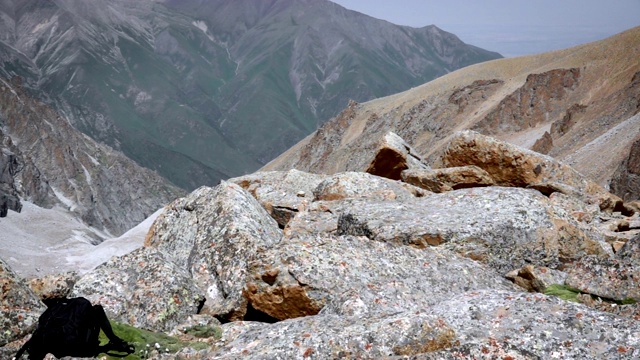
{"points": [[626, 180], [510, 165], [19, 306], [53, 163], [213, 234], [362, 266]]}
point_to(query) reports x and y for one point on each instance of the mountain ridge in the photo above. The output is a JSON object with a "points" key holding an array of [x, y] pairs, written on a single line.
{"points": [[573, 96], [214, 89]]}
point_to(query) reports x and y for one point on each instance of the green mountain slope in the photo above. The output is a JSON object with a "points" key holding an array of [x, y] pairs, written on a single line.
{"points": [[203, 90]]}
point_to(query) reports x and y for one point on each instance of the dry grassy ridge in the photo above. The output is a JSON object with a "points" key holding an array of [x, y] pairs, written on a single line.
{"points": [[577, 105]]}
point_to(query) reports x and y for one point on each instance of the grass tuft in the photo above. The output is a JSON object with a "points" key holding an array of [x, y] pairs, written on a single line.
{"points": [[563, 292], [146, 341]]}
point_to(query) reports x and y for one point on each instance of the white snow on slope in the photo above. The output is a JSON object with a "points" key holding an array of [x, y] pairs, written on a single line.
{"points": [[38, 241]]}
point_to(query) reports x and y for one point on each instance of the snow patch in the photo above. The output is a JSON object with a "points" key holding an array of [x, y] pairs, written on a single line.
{"points": [[71, 205], [40, 241], [87, 175], [201, 25]]}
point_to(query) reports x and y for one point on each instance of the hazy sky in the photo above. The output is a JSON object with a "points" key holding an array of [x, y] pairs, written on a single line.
{"points": [[511, 27]]}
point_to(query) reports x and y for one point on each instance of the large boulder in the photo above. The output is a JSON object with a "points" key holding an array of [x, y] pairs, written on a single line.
{"points": [[281, 193], [143, 289], [351, 185], [614, 279], [506, 228], [301, 275], [504, 325], [19, 306], [511, 165], [214, 233], [391, 156], [447, 179], [336, 337]]}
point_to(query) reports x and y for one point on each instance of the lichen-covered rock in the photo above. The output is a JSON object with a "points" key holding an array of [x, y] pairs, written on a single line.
{"points": [[498, 324], [301, 275], [335, 337], [213, 233], [392, 156], [363, 185], [510, 165], [143, 289], [447, 179], [506, 228], [615, 279], [19, 306], [54, 285], [281, 193]]}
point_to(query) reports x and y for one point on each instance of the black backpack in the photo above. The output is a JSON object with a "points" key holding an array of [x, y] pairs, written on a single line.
{"points": [[70, 327]]}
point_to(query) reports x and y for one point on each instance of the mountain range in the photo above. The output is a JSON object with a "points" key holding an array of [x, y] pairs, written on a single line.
{"points": [[493, 212], [203, 90]]}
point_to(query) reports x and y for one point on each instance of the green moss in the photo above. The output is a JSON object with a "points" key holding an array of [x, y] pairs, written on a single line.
{"points": [[145, 341], [204, 331], [563, 292], [570, 294]]}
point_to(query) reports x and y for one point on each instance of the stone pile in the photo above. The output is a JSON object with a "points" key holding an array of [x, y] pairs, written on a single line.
{"points": [[451, 263]]}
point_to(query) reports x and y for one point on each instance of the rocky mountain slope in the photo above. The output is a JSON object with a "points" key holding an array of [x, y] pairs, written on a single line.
{"points": [[204, 90], [289, 264], [579, 105], [49, 163]]}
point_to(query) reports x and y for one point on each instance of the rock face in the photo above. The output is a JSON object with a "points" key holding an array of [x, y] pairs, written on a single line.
{"points": [[626, 179], [49, 162], [19, 177]]}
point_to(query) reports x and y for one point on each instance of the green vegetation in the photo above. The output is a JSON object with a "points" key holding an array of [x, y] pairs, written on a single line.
{"points": [[570, 294], [563, 292], [146, 341]]}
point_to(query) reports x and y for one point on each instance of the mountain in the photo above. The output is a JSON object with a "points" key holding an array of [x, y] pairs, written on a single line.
{"points": [[578, 105], [49, 163], [203, 90]]}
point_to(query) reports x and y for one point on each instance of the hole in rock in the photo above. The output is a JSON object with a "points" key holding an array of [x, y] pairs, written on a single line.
{"points": [[257, 315]]}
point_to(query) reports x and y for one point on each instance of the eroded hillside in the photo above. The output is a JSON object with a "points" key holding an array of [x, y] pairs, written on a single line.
{"points": [[578, 105]]}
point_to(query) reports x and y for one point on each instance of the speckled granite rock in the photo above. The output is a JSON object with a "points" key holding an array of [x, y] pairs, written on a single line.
{"points": [[303, 274], [336, 337], [54, 286], [349, 185], [447, 179], [281, 193], [506, 228], [143, 289], [616, 279], [213, 234], [19, 306], [510, 165], [498, 324]]}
